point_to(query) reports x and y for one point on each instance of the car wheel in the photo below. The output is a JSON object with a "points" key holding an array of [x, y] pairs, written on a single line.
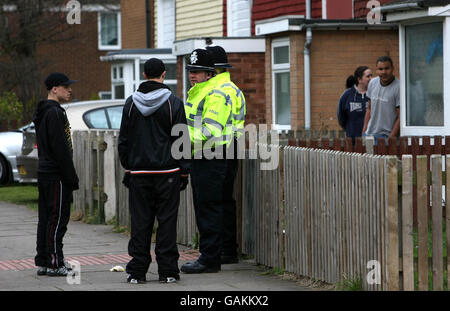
{"points": [[4, 170]]}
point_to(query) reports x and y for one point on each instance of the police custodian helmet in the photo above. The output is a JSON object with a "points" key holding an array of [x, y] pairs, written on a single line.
{"points": [[219, 56], [201, 60]]}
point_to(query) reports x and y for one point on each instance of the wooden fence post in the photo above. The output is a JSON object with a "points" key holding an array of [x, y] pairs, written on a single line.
{"points": [[438, 272], [369, 140], [91, 172], [110, 176], [278, 224], [392, 200], [78, 157], [447, 209], [422, 222], [101, 147], [407, 225]]}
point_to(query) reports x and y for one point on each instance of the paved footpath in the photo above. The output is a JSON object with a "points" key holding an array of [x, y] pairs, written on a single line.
{"points": [[98, 249]]}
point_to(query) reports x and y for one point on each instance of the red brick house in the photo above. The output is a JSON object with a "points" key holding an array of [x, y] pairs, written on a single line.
{"points": [[277, 93], [75, 49], [79, 57], [265, 40], [304, 80]]}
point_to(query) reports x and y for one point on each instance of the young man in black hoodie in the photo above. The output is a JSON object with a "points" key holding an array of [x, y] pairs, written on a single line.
{"points": [[154, 177], [57, 178]]}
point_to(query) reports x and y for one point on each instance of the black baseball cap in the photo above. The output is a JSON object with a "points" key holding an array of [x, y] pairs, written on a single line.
{"points": [[219, 56], [57, 79], [201, 60], [154, 67]]}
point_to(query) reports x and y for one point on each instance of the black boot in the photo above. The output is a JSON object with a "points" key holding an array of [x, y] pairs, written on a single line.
{"points": [[197, 267]]}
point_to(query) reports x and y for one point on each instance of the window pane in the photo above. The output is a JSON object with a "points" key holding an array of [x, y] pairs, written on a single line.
{"points": [[141, 71], [171, 73], [173, 88], [424, 72], [109, 29], [119, 91], [281, 55], [115, 116], [105, 95], [96, 119], [282, 99]]}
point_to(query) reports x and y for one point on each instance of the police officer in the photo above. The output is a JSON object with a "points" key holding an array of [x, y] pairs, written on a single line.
{"points": [[229, 246], [208, 114]]}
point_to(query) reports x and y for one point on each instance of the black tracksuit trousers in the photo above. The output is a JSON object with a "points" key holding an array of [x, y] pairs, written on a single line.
{"points": [[208, 177], [153, 196], [54, 214]]}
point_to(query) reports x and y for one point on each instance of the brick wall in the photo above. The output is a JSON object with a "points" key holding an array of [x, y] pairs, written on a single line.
{"points": [[247, 73], [349, 49], [297, 80], [268, 83], [134, 24], [334, 56], [76, 54]]}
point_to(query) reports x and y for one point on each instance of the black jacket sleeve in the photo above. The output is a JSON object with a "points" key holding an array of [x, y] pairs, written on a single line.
{"points": [[179, 117], [123, 134], [58, 132]]}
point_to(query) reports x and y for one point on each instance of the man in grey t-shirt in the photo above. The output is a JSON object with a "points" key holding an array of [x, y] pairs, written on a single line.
{"points": [[383, 109]]}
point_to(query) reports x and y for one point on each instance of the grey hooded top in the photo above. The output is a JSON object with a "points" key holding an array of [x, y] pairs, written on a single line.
{"points": [[148, 103]]}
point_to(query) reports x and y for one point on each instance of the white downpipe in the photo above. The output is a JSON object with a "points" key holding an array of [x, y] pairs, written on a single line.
{"points": [[307, 69]]}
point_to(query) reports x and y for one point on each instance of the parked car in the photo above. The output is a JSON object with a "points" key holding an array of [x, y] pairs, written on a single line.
{"points": [[10, 147], [98, 114]]}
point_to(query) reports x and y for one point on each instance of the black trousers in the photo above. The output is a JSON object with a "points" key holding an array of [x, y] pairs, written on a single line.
{"points": [[153, 196], [208, 177], [54, 215], [229, 246]]}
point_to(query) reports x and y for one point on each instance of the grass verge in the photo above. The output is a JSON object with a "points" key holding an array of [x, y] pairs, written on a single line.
{"points": [[20, 194]]}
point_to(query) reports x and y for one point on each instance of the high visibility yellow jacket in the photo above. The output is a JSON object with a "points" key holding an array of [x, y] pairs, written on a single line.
{"points": [[208, 115], [237, 98]]}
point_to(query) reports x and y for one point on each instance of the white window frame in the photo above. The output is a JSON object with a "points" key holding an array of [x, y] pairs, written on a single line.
{"points": [[118, 80], [138, 62], [279, 68], [119, 32], [425, 130]]}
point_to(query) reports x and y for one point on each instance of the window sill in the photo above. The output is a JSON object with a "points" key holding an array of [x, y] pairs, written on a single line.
{"points": [[109, 48]]}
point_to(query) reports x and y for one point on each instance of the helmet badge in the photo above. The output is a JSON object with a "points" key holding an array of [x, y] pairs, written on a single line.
{"points": [[194, 57]]}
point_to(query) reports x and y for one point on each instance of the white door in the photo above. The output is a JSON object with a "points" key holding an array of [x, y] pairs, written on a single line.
{"points": [[239, 18]]}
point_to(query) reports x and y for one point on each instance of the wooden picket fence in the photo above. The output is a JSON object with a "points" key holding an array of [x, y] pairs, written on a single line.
{"points": [[430, 275], [337, 207], [101, 196], [325, 214]]}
